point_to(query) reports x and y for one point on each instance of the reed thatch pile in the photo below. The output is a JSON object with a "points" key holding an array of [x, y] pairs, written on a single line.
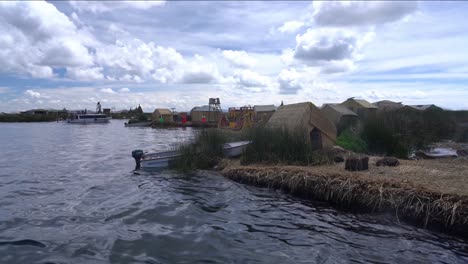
{"points": [[362, 192]]}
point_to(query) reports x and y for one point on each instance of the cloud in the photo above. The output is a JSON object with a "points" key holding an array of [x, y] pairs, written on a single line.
{"points": [[4, 89], [107, 90], [199, 70], [326, 44], [338, 66], [32, 94], [359, 13], [39, 39], [83, 74], [124, 90], [289, 81], [304, 81], [106, 6], [291, 26], [248, 78], [136, 60], [239, 58], [376, 95]]}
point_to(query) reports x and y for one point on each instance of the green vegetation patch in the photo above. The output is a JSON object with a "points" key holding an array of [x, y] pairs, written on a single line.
{"points": [[350, 141]]}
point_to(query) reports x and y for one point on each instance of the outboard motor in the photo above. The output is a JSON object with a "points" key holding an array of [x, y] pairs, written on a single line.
{"points": [[137, 155]]}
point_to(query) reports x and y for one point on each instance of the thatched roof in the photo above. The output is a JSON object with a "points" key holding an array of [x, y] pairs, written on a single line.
{"points": [[294, 116], [423, 107], [340, 109], [163, 111], [204, 108], [362, 103], [388, 105], [264, 108]]}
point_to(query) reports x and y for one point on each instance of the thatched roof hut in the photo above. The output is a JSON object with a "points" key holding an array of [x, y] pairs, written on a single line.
{"points": [[425, 107], [165, 113], [340, 116], [335, 112], [361, 107], [321, 133], [198, 112], [387, 105], [263, 112]]}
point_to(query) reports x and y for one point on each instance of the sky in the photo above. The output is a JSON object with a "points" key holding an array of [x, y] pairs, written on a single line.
{"points": [[174, 54]]}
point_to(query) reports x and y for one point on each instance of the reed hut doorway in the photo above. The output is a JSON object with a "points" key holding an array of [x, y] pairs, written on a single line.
{"points": [[316, 139]]}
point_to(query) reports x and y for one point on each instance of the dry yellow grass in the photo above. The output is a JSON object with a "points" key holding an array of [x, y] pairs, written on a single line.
{"points": [[447, 176], [432, 192]]}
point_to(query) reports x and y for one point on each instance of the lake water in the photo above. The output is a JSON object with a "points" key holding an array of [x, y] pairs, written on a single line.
{"points": [[68, 195]]}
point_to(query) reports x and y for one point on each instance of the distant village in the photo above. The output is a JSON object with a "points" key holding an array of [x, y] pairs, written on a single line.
{"points": [[238, 117], [324, 124]]}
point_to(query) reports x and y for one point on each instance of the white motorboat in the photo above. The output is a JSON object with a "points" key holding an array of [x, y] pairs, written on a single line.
{"points": [[436, 153], [83, 117], [164, 159], [88, 118], [158, 160], [234, 149]]}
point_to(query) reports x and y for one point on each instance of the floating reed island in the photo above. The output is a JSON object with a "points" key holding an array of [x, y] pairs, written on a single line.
{"points": [[431, 193]]}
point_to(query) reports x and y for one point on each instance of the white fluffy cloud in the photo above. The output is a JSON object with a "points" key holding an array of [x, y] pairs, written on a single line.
{"points": [[239, 58], [136, 60], [249, 78], [85, 74], [105, 6], [358, 13], [199, 70], [291, 26], [329, 44], [39, 39], [107, 90], [293, 80], [289, 81], [124, 90], [32, 94]]}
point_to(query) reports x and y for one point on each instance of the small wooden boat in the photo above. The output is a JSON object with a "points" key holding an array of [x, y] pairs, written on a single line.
{"points": [[164, 159]]}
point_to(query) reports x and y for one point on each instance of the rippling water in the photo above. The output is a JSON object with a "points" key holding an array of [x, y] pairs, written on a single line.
{"points": [[68, 195]]}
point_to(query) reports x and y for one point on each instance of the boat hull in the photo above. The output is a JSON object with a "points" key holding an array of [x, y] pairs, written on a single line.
{"points": [[89, 121], [234, 149], [161, 160], [158, 160]]}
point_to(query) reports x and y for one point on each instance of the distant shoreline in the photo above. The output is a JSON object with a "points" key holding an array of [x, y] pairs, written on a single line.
{"points": [[19, 118]]}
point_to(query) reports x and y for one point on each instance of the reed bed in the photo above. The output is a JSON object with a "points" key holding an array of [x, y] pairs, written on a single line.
{"points": [[358, 192], [280, 146], [203, 152], [269, 146]]}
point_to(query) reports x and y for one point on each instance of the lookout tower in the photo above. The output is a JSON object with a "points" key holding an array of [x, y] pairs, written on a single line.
{"points": [[214, 105], [98, 108]]}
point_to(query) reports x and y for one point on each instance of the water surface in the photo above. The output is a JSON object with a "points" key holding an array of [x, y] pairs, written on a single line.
{"points": [[68, 195]]}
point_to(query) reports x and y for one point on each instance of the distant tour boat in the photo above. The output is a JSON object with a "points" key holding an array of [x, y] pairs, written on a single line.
{"points": [[88, 118], [164, 159], [85, 118]]}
